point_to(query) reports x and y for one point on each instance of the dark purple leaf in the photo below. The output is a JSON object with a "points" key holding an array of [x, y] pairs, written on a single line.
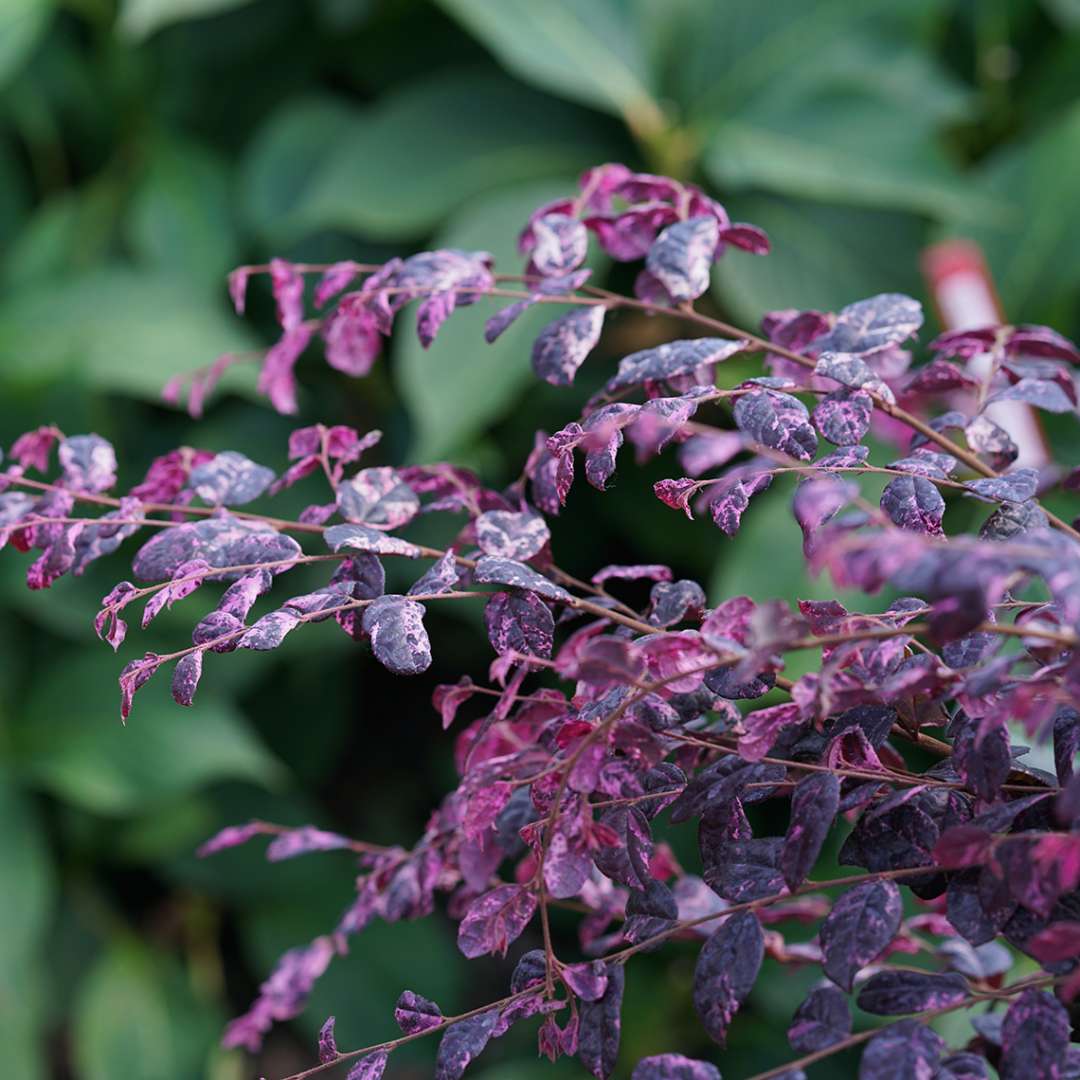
{"points": [[462, 1043], [588, 981], [778, 421], [398, 638], [906, 1050], [377, 498], [673, 602], [601, 1025], [681, 256], [509, 535], [1042, 393], [726, 971], [890, 993], [229, 479], [743, 870], [695, 359], [822, 1020], [674, 1067], [562, 346], [814, 805], [729, 499], [914, 503], [843, 417], [962, 1066], [853, 372], [495, 571], [414, 1013], [873, 324], [519, 623], [993, 442], [1034, 1037], [186, 677], [861, 924], [495, 920], [440, 578]]}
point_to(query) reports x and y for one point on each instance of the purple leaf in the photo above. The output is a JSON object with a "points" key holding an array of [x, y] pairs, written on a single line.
{"points": [[276, 378], [229, 479], [726, 971], [778, 421], [674, 1067], [906, 1050], [302, 841], [371, 541], [814, 804], [743, 870], [913, 502], [730, 498], [681, 256], [1034, 1037], [562, 346], [218, 541], [993, 442], [1042, 393], [890, 993], [186, 677], [674, 602], [588, 981], [853, 372], [229, 837], [398, 638], [495, 920], [519, 623], [962, 1066], [377, 498], [440, 578], [328, 1050], [695, 360], [861, 924], [843, 417], [370, 1066], [414, 1013], [557, 244], [601, 1026], [1016, 487], [652, 571], [353, 340], [510, 535], [873, 324], [490, 570], [822, 1020], [89, 463], [462, 1043]]}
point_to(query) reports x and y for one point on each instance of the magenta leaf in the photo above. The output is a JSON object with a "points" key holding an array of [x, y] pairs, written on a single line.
{"points": [[370, 1066], [302, 841], [414, 1013], [861, 924], [726, 971], [843, 417], [904, 1049], [496, 920], [328, 1050], [1034, 1037], [398, 638]]}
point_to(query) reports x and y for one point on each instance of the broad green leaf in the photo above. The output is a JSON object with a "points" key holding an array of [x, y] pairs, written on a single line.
{"points": [[461, 384], [135, 1016], [397, 168], [1034, 255], [180, 215], [586, 50], [22, 1021], [823, 257], [140, 18], [117, 329], [22, 23], [74, 745]]}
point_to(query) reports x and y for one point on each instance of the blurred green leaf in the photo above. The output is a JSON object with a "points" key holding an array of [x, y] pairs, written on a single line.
{"points": [[140, 18], [586, 50], [136, 1018], [1035, 254], [823, 257], [460, 384], [117, 329], [21, 24], [26, 904], [397, 168], [75, 746], [180, 215]]}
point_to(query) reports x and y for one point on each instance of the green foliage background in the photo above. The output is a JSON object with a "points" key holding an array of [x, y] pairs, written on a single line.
{"points": [[146, 146]]}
